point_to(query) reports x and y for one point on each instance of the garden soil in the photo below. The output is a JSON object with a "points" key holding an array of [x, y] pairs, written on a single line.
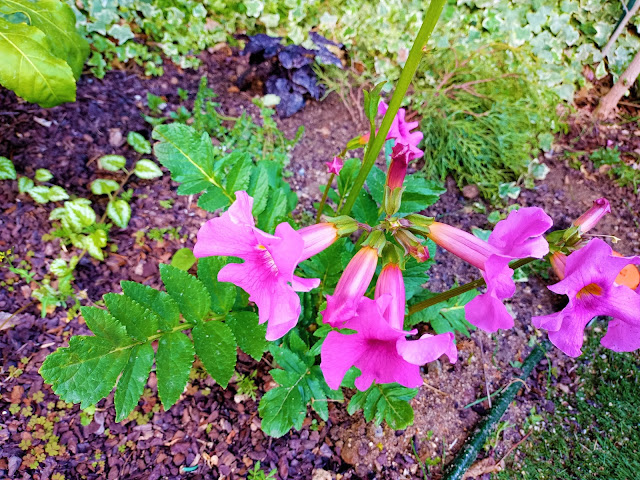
{"points": [[210, 432]]}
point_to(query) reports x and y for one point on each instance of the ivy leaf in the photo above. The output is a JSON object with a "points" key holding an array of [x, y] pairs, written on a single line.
{"points": [[189, 293], [112, 163], [250, 335], [57, 194], [44, 78], [147, 169], [216, 347], [133, 379], [103, 186], [121, 33], [24, 184], [139, 143], [173, 364], [223, 294], [39, 193], [139, 321], [43, 175], [154, 300], [388, 402]]}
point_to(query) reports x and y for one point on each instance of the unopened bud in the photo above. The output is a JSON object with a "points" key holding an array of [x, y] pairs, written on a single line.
{"points": [[591, 217], [419, 223], [412, 245]]}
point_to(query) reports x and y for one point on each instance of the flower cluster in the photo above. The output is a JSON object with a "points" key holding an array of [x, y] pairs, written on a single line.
{"points": [[368, 333]]}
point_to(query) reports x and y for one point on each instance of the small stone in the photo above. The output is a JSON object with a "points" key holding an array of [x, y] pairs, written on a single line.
{"points": [[470, 191], [233, 89], [321, 474], [178, 459]]}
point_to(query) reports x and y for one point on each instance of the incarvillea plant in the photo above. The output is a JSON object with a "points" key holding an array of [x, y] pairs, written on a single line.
{"points": [[42, 53], [329, 300]]}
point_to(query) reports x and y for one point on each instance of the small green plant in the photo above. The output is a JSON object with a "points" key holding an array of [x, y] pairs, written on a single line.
{"points": [[246, 385], [258, 474], [625, 175]]}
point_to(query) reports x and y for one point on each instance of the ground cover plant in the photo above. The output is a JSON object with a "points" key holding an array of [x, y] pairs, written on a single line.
{"points": [[329, 296]]}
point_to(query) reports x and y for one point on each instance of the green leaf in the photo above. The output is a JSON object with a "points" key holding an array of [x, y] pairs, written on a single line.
{"points": [[216, 347], [249, 334], [274, 212], [133, 379], [43, 78], [259, 188], [57, 20], [140, 322], [94, 243], [119, 211], [57, 194], [158, 302], [138, 142], [85, 371], [147, 169], [187, 154], [213, 199], [103, 186], [239, 176], [39, 193], [104, 325], [223, 294], [388, 402], [188, 292], [24, 184], [121, 33], [365, 209], [444, 317], [43, 175], [173, 364], [183, 259], [112, 163], [419, 194]]}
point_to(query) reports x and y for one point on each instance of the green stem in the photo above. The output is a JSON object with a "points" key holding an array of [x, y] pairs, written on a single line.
{"points": [[409, 70], [474, 444], [454, 292], [324, 197]]}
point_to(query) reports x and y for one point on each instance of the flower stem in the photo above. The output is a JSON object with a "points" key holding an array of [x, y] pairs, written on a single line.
{"points": [[324, 197], [454, 292], [409, 70]]}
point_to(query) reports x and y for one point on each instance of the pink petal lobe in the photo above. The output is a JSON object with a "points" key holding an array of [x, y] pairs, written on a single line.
{"points": [[621, 336], [428, 348], [520, 235]]}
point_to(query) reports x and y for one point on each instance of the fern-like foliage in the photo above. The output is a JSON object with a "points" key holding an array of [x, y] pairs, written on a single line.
{"points": [[388, 402], [121, 354]]}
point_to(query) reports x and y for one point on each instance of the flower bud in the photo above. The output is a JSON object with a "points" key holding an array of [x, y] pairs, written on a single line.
{"points": [[418, 224], [391, 282], [392, 200], [335, 165], [411, 244], [317, 238], [558, 263], [591, 217]]}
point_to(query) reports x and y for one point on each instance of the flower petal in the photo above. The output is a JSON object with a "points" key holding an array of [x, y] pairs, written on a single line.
{"points": [[520, 235], [428, 348], [621, 336]]}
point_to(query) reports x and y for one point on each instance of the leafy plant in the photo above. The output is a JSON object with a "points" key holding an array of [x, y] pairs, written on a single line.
{"points": [[444, 317], [388, 402], [42, 53]]}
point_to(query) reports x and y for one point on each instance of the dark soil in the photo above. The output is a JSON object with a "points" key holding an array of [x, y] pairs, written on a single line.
{"points": [[217, 431]]}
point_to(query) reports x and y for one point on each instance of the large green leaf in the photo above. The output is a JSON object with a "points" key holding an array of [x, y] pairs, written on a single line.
{"points": [[447, 316], [139, 321], [58, 22], [216, 348], [30, 70], [133, 379], [173, 364]]}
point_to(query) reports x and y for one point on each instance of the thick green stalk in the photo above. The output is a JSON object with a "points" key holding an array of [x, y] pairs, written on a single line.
{"points": [[454, 292], [409, 70], [475, 442]]}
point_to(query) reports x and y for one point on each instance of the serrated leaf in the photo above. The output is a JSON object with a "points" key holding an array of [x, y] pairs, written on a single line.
{"points": [[138, 142], [105, 325], [112, 163], [158, 302], [57, 194], [140, 322], [274, 212], [25, 184], [239, 176], [419, 194], [216, 347], [222, 294], [119, 211], [43, 175], [385, 402], [365, 209], [39, 193], [183, 259], [259, 189], [173, 364], [147, 169], [103, 186], [188, 155], [85, 371], [250, 335], [133, 379], [58, 21], [213, 199], [44, 78], [189, 293]]}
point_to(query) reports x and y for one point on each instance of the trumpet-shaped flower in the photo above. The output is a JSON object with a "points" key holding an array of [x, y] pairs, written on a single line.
{"points": [[316, 238], [520, 235], [591, 217], [379, 348], [589, 281], [401, 155], [401, 129], [351, 287], [269, 263]]}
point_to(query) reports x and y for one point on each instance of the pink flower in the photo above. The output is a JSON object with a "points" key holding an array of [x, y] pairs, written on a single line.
{"points": [[379, 348], [590, 283], [316, 238], [591, 217], [520, 235], [400, 129], [269, 263], [335, 165], [401, 155], [351, 287]]}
